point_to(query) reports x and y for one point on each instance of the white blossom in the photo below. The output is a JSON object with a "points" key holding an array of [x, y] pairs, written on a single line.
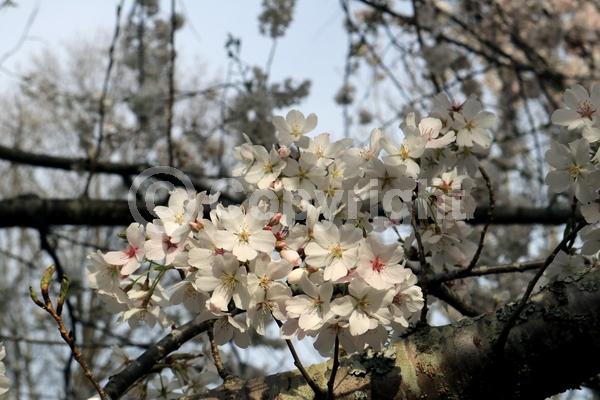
{"points": [[333, 248], [294, 127], [244, 233], [472, 125], [572, 169], [581, 111]]}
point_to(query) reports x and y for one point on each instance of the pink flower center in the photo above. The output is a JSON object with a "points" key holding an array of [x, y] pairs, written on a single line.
{"points": [[131, 251], [170, 245], [219, 252], [377, 264], [586, 110], [399, 298]]}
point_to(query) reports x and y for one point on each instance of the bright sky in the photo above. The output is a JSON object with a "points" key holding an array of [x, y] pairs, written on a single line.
{"points": [[314, 46]]}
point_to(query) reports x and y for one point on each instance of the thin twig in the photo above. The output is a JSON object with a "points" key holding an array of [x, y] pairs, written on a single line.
{"points": [[503, 336], [216, 353], [417, 24], [334, 368], [485, 270], [171, 99], [422, 260], [102, 103], [490, 213], [319, 392]]}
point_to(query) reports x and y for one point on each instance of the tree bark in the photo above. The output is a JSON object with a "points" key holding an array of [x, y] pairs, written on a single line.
{"points": [[554, 346], [33, 211]]}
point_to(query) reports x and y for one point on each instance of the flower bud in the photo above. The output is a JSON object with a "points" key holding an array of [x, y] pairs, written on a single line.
{"points": [[284, 151]]}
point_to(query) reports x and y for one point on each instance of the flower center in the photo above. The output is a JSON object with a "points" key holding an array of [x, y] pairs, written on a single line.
{"points": [[319, 152], [377, 264], [586, 110], [170, 245], [131, 250], [268, 167], [264, 282], [244, 236], [363, 303], [179, 217], [399, 298], [404, 152], [336, 251], [229, 280], [575, 170]]}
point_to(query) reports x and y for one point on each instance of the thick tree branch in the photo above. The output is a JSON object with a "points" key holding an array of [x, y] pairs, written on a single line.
{"points": [[456, 361], [119, 384], [34, 212]]}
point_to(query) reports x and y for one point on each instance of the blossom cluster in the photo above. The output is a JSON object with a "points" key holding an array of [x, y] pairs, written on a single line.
{"points": [[306, 248], [575, 159]]}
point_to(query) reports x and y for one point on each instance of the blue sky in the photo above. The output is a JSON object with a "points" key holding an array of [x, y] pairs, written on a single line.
{"points": [[314, 46]]}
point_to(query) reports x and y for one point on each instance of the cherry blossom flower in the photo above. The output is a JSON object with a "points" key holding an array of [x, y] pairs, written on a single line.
{"points": [[267, 304], [129, 259], [264, 272], [102, 275], [379, 264], [581, 111], [572, 169], [326, 338], [244, 233], [228, 328], [266, 168], [429, 129], [335, 249], [362, 306], [591, 241], [303, 174], [591, 211], [205, 246], [407, 299], [411, 149], [182, 209], [226, 280], [472, 125], [369, 153], [313, 307], [294, 127], [186, 293], [159, 246], [325, 150]]}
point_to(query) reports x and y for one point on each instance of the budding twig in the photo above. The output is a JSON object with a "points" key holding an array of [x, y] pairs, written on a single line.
{"points": [[67, 335]]}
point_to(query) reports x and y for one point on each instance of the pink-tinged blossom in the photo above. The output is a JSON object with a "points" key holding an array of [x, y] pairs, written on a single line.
{"points": [[132, 256], [380, 265]]}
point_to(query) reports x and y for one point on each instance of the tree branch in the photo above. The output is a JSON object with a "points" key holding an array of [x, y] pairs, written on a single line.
{"points": [[30, 211], [119, 384]]}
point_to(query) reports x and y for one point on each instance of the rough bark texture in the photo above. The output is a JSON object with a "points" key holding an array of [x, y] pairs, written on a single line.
{"points": [[554, 346]]}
